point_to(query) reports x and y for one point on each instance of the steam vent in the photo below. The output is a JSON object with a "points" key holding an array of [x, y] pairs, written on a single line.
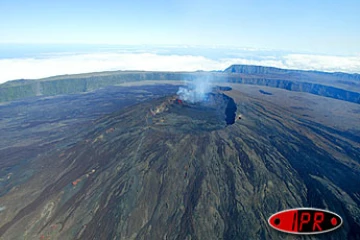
{"points": [[215, 112]]}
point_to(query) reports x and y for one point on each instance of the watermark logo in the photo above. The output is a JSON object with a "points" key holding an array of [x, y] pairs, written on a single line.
{"points": [[305, 221]]}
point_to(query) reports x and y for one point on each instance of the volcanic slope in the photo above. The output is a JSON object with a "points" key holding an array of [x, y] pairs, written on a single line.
{"points": [[165, 169]]}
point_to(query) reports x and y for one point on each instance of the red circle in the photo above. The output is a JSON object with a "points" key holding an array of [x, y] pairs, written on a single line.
{"points": [[333, 221]]}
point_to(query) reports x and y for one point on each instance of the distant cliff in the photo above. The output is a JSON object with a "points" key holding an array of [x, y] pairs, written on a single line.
{"points": [[340, 86], [298, 74]]}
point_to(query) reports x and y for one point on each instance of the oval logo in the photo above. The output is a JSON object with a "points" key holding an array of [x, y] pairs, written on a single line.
{"points": [[305, 221]]}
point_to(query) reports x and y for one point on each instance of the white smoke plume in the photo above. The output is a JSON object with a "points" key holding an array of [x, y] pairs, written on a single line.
{"points": [[195, 91]]}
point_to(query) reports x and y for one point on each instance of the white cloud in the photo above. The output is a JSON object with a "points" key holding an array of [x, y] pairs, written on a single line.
{"points": [[81, 63], [58, 64], [324, 63], [308, 62]]}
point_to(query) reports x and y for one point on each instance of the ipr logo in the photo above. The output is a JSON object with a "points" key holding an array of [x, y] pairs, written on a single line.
{"points": [[305, 221]]}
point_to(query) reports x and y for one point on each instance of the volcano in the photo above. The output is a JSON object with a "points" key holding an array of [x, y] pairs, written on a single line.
{"points": [[155, 167], [215, 112]]}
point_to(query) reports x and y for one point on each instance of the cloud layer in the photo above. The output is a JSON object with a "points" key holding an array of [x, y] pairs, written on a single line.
{"points": [[58, 64]]}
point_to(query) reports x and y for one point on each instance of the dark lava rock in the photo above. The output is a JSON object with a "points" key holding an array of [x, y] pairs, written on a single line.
{"points": [[185, 174], [265, 93]]}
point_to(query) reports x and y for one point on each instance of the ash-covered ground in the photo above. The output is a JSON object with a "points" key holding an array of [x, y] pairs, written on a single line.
{"points": [[145, 163]]}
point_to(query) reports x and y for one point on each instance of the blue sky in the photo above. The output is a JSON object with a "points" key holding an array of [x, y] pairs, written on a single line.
{"points": [[42, 38], [325, 27]]}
